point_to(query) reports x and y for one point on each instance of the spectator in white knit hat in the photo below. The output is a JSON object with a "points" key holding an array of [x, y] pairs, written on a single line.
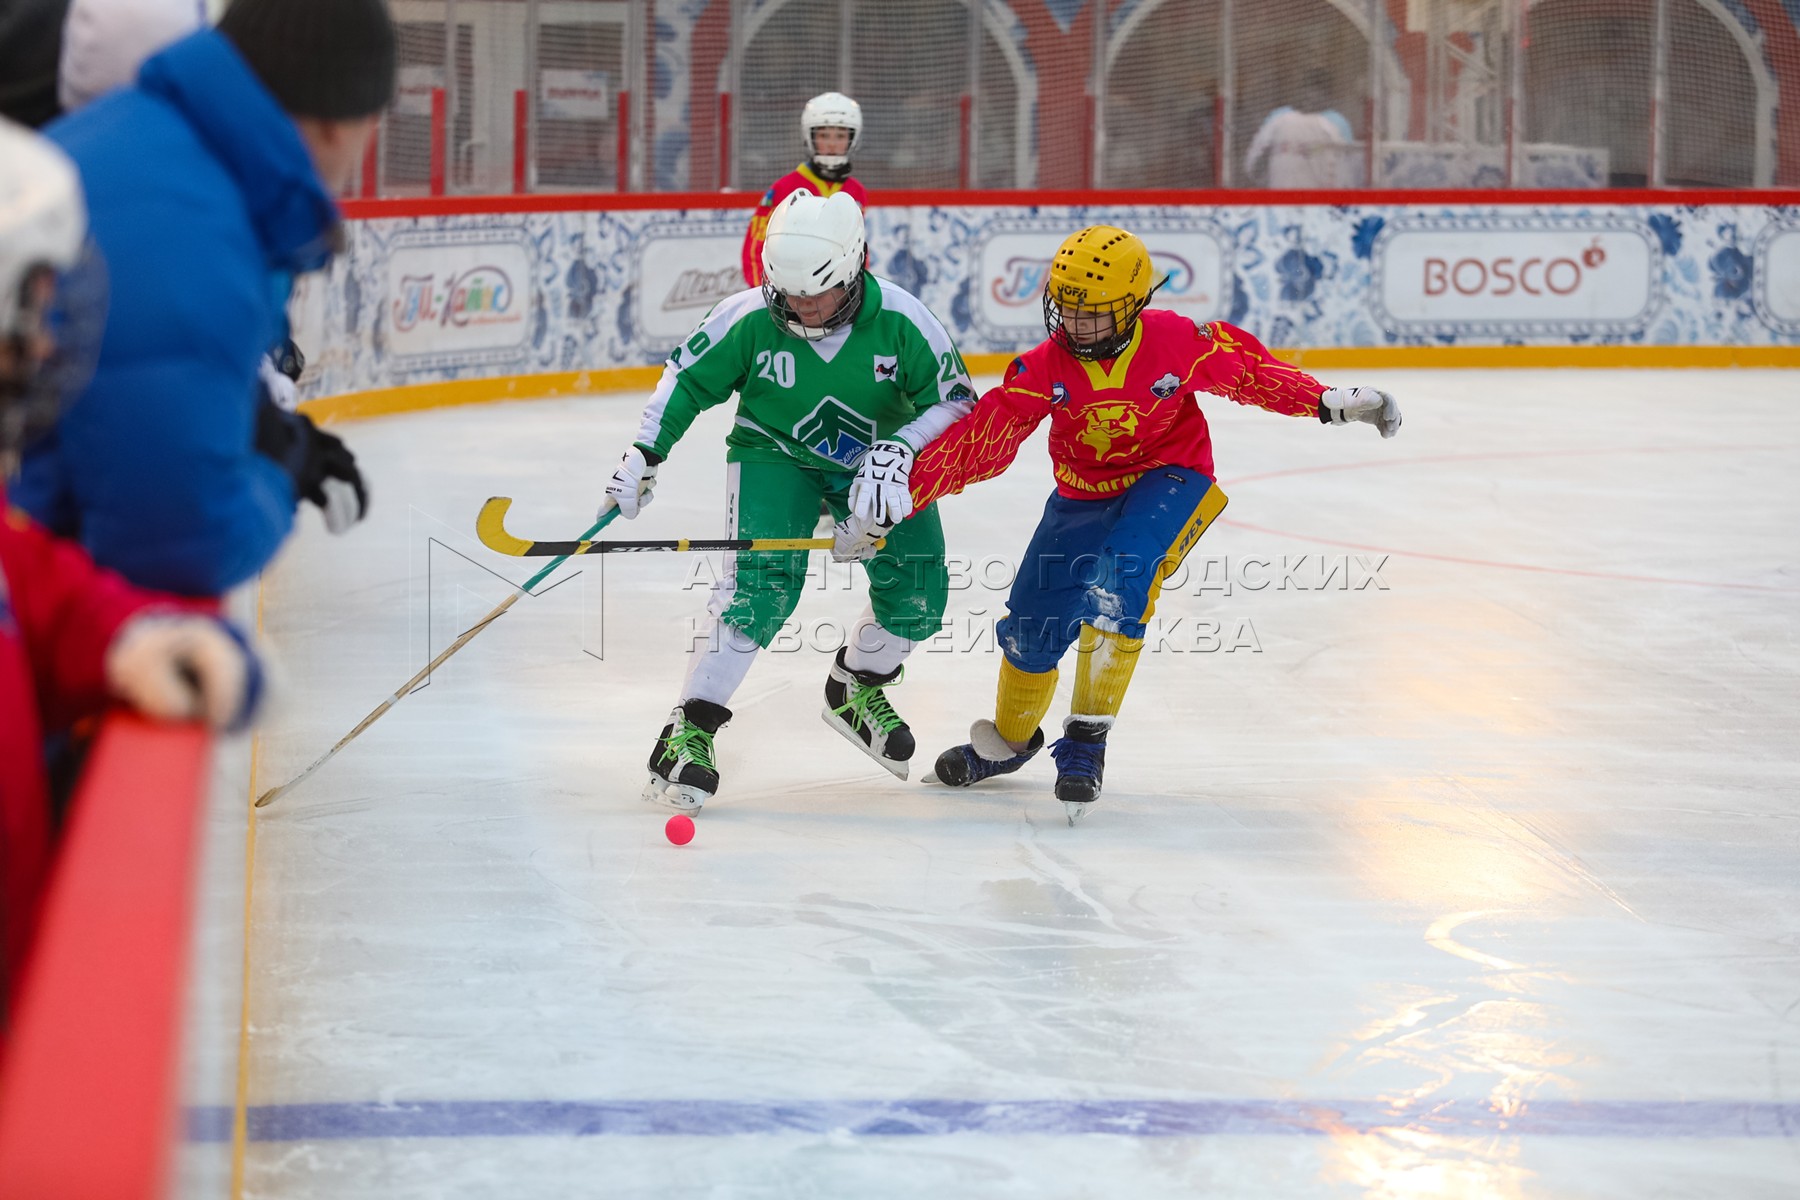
{"points": [[104, 43], [58, 55]]}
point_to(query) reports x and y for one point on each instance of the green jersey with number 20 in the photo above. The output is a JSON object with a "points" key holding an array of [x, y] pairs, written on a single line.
{"points": [[892, 372]]}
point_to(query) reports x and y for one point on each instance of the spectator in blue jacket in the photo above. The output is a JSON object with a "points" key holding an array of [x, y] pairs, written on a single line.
{"points": [[210, 178]]}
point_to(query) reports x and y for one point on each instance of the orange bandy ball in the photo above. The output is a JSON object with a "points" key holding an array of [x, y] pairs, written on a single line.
{"points": [[680, 829]]}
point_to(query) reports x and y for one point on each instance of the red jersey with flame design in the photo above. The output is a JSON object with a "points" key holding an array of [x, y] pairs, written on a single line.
{"points": [[800, 179], [1110, 422]]}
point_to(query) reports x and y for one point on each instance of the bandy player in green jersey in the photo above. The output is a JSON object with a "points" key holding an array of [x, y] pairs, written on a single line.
{"points": [[841, 379]]}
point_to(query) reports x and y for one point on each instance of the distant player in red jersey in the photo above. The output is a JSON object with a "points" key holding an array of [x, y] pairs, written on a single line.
{"points": [[1134, 490], [830, 129]]}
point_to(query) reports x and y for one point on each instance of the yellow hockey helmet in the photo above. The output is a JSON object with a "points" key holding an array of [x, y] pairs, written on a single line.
{"points": [[1100, 280]]}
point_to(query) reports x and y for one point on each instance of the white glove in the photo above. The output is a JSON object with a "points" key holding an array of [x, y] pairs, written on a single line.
{"points": [[185, 667], [282, 390], [1340, 406], [855, 540], [343, 507], [881, 493], [629, 490]]}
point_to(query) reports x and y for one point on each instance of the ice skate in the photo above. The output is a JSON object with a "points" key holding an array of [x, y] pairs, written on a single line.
{"points": [[1080, 755], [856, 705], [683, 774], [985, 755]]}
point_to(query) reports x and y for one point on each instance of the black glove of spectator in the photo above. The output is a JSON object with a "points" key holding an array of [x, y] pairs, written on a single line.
{"points": [[288, 359], [323, 469]]}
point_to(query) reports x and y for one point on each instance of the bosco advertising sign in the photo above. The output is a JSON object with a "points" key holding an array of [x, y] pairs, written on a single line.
{"points": [[1520, 275], [685, 267], [458, 297], [1013, 263]]}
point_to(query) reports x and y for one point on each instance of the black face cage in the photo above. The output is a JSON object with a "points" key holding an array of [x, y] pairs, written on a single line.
{"points": [[1124, 313], [830, 174], [782, 313]]}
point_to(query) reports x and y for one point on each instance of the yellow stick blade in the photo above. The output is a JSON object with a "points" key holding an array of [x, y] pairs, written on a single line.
{"points": [[490, 527]]}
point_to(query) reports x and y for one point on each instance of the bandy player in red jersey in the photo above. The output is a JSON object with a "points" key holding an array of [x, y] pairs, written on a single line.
{"points": [[830, 129], [1134, 490]]}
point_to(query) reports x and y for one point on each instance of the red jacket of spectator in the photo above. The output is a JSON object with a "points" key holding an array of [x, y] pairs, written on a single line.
{"points": [[58, 615], [800, 179]]}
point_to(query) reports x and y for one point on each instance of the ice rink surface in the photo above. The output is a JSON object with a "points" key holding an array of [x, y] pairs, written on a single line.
{"points": [[1461, 859]]}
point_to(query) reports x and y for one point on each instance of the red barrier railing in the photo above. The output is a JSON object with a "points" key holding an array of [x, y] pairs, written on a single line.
{"points": [[1090, 117], [724, 133], [623, 178], [368, 210], [965, 127], [440, 140], [371, 166], [87, 1085], [521, 140], [1220, 140]]}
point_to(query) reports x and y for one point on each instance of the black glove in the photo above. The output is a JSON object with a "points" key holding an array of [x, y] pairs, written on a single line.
{"points": [[288, 359], [322, 467]]}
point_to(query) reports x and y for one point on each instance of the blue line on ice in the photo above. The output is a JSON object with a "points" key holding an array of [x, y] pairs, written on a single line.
{"points": [[930, 1118]]}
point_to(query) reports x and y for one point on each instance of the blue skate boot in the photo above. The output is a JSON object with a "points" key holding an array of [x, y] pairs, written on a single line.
{"points": [[985, 755], [1080, 755]]}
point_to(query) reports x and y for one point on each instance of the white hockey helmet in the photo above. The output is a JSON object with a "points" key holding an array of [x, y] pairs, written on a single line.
{"points": [[52, 285], [814, 244], [831, 110]]}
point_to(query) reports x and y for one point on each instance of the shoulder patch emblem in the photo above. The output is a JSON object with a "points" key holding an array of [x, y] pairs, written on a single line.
{"points": [[1203, 329], [960, 394], [1165, 387], [1058, 393], [887, 368]]}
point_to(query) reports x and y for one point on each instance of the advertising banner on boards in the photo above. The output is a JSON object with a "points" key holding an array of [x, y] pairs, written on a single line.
{"points": [[457, 296]]}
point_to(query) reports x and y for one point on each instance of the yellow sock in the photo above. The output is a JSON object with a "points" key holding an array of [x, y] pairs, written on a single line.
{"points": [[1022, 701], [1105, 662]]}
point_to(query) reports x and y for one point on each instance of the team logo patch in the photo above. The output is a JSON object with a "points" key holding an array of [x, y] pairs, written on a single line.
{"points": [[836, 431], [887, 368], [1165, 387], [1015, 370], [1106, 424], [960, 394], [1058, 393]]}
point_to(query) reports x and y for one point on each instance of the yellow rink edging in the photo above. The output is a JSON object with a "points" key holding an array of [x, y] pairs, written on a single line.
{"points": [[1488, 358], [381, 402]]}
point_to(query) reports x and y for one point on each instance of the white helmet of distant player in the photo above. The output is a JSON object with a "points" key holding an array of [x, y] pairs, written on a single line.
{"points": [[52, 287], [833, 110], [814, 252]]}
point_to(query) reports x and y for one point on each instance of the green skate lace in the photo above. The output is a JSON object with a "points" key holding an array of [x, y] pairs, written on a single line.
{"points": [[870, 704], [693, 743]]}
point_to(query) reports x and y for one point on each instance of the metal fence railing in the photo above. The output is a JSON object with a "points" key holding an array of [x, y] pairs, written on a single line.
{"points": [[673, 95]]}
